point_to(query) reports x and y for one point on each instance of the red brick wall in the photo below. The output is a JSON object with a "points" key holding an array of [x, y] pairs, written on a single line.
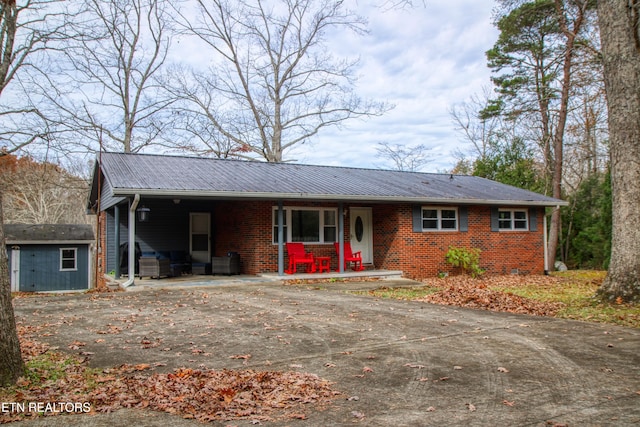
{"points": [[246, 228], [101, 250], [421, 255]]}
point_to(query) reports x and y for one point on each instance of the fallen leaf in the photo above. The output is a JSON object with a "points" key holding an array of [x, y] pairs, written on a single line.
{"points": [[357, 414], [142, 367], [412, 365], [228, 394], [508, 403], [240, 356], [76, 345]]}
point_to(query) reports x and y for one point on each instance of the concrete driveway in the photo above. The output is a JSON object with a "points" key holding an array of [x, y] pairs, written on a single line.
{"points": [[398, 363]]}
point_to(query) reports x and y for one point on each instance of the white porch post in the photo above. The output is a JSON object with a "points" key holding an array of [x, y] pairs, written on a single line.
{"points": [[132, 241]]}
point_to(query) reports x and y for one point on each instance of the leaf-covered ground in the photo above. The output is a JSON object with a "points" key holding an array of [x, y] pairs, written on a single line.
{"points": [[488, 293], [204, 395]]}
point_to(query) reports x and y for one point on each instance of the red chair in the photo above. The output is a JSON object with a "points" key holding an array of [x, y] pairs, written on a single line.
{"points": [[297, 255], [350, 257]]}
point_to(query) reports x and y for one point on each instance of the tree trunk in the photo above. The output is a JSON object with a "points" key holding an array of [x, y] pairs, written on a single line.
{"points": [[558, 139], [621, 57], [11, 367]]}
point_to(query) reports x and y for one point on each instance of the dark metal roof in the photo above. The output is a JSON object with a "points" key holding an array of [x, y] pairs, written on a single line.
{"points": [[22, 233], [175, 176]]}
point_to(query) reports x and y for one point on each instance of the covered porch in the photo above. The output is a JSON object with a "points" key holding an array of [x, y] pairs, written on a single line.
{"points": [[208, 230]]}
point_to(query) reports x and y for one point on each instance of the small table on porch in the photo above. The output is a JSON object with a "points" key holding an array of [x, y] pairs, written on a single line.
{"points": [[324, 263]]}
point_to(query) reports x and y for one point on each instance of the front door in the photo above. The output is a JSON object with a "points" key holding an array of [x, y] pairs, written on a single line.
{"points": [[200, 236], [361, 233]]}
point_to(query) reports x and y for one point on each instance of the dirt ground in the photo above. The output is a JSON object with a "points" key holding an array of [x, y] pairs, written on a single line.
{"points": [[397, 363]]}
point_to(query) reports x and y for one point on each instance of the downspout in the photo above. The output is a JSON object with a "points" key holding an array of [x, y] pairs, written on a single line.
{"points": [[545, 239], [132, 242]]}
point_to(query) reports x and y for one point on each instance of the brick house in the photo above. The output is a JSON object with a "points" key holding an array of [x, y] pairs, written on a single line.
{"points": [[399, 220]]}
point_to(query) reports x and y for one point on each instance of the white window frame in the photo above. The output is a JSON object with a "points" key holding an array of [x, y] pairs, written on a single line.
{"points": [[288, 229], [439, 218], [63, 259], [512, 220]]}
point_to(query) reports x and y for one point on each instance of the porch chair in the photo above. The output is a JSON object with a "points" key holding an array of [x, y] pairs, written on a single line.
{"points": [[154, 265], [297, 255], [350, 257]]}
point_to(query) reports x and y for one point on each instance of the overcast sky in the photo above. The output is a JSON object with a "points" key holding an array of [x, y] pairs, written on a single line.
{"points": [[423, 60]]}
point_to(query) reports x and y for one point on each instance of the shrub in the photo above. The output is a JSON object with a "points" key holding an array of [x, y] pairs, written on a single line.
{"points": [[466, 259]]}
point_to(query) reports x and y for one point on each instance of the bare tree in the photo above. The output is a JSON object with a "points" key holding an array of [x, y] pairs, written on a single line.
{"points": [[474, 121], [272, 83], [404, 158], [119, 49], [620, 35], [28, 30], [41, 193]]}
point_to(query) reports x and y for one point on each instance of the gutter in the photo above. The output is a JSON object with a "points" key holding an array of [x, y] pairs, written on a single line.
{"points": [[50, 242], [330, 197], [132, 242]]}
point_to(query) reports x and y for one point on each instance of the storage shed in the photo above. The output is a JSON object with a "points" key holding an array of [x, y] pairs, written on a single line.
{"points": [[49, 257]]}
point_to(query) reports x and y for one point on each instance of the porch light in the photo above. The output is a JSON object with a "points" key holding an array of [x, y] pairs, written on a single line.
{"points": [[143, 213]]}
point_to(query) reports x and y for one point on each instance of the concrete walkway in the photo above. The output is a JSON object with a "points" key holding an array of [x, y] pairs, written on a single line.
{"points": [[396, 363]]}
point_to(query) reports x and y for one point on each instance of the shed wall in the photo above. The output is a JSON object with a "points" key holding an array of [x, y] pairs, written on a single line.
{"points": [[40, 268]]}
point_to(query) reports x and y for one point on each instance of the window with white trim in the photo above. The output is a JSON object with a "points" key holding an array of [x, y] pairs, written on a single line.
{"points": [[513, 220], [307, 225], [68, 259], [439, 218]]}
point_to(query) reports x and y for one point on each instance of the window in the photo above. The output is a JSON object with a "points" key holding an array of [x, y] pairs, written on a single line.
{"points": [[68, 259], [439, 219], [513, 219], [307, 225]]}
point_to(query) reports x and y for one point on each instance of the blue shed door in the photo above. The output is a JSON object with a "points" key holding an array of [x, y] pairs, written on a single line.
{"points": [[54, 268]]}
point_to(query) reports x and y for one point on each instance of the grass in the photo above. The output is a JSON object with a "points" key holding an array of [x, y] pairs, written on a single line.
{"points": [[48, 370], [574, 289], [578, 293]]}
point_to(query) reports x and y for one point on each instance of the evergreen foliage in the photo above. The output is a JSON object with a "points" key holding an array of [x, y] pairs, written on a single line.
{"points": [[587, 242], [510, 162]]}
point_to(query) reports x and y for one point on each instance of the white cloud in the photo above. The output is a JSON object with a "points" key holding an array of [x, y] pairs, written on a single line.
{"points": [[424, 61]]}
